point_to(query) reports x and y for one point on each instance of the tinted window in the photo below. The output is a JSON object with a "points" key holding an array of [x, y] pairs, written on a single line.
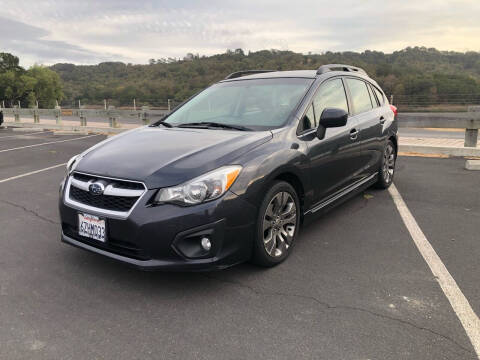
{"points": [[330, 95], [257, 104], [372, 97], [308, 121], [360, 97], [379, 95]]}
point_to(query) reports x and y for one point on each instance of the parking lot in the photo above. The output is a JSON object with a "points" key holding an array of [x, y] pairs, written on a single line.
{"points": [[355, 287]]}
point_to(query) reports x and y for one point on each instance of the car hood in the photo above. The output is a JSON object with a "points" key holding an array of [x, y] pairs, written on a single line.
{"points": [[162, 157]]}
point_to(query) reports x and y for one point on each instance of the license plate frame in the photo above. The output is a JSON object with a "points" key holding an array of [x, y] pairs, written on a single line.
{"points": [[92, 227]]}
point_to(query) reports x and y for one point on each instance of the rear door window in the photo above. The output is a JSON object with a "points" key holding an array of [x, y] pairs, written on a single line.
{"points": [[360, 96], [372, 96]]}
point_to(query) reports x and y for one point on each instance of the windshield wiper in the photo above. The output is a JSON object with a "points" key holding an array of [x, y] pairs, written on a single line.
{"points": [[162, 122], [210, 124]]}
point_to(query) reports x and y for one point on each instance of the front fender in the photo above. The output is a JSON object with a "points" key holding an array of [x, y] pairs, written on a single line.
{"points": [[269, 161]]}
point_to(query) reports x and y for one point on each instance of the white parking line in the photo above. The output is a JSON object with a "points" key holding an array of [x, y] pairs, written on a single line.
{"points": [[31, 173], [48, 143], [33, 133], [458, 301]]}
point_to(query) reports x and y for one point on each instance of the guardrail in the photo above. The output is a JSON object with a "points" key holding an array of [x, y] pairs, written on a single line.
{"points": [[470, 121], [142, 116]]}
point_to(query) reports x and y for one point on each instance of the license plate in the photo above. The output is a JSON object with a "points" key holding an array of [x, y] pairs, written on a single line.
{"points": [[91, 226]]}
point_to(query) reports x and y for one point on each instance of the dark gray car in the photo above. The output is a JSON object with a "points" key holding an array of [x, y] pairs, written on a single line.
{"points": [[231, 174]]}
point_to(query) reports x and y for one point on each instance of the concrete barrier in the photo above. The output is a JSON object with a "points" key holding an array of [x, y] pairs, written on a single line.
{"points": [[70, 128], [470, 121], [440, 150]]}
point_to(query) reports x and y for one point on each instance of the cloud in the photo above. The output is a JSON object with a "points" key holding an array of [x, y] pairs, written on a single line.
{"points": [[30, 41], [90, 31]]}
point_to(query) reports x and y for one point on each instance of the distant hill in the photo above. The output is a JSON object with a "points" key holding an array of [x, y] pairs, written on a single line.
{"points": [[413, 74]]}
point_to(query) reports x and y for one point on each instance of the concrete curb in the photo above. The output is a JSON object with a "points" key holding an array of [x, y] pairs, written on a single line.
{"points": [[77, 129], [472, 164], [443, 150], [27, 129]]}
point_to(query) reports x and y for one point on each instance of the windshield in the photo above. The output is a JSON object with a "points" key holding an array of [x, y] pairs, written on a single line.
{"points": [[259, 104]]}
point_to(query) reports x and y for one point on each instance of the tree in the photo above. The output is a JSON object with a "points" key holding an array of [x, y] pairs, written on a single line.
{"points": [[9, 62], [45, 85], [28, 86], [416, 74], [239, 52]]}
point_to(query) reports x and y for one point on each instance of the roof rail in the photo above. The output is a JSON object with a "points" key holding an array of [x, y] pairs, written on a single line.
{"points": [[339, 67], [246, 72]]}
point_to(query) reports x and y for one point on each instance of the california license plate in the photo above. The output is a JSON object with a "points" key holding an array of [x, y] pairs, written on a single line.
{"points": [[91, 226]]}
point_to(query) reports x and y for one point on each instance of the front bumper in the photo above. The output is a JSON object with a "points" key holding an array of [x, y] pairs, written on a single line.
{"points": [[166, 237]]}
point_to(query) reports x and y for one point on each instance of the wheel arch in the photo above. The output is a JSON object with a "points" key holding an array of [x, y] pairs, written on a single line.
{"points": [[394, 140], [294, 180]]}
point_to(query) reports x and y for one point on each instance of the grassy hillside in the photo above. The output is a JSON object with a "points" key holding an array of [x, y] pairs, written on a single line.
{"points": [[416, 75]]}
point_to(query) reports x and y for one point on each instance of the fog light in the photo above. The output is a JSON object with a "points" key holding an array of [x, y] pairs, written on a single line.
{"points": [[206, 244]]}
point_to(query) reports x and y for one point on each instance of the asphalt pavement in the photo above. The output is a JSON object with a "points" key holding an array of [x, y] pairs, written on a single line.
{"points": [[355, 286]]}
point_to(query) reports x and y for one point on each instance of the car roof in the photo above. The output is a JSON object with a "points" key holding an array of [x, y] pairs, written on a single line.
{"points": [[308, 74]]}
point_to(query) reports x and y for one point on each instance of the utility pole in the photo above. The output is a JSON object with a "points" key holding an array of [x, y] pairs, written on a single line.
{"points": [[168, 102], [19, 106], [79, 105], [105, 103], [134, 105], [391, 99]]}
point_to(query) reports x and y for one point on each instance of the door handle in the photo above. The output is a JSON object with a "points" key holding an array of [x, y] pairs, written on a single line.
{"points": [[353, 134], [382, 120]]}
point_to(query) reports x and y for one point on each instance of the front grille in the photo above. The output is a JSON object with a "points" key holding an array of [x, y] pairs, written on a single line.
{"points": [[123, 184], [115, 203], [119, 195]]}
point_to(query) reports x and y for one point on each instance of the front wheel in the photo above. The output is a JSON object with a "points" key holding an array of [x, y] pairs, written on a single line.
{"points": [[277, 225], [387, 168]]}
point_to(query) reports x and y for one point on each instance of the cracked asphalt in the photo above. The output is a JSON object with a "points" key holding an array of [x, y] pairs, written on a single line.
{"points": [[355, 286]]}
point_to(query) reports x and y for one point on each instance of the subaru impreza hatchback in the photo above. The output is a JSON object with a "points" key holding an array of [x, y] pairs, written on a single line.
{"points": [[231, 174]]}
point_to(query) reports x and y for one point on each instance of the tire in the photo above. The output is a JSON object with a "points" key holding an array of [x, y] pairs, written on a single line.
{"points": [[387, 166], [278, 224]]}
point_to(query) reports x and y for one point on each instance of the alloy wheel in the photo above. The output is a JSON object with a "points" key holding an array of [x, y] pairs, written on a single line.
{"points": [[279, 223], [388, 163]]}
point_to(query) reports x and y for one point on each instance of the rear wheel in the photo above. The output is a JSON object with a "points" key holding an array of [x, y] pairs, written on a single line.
{"points": [[277, 225], [387, 168]]}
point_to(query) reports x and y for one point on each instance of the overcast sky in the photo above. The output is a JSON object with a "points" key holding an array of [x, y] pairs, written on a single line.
{"points": [[88, 32]]}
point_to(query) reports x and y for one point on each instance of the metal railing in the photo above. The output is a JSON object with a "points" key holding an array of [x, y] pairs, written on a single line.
{"points": [[133, 104], [452, 102], [113, 116]]}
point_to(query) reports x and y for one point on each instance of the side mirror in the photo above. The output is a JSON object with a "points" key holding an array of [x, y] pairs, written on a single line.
{"points": [[331, 117]]}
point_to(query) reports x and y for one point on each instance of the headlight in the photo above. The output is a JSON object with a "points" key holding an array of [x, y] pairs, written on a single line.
{"points": [[204, 188], [71, 164]]}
